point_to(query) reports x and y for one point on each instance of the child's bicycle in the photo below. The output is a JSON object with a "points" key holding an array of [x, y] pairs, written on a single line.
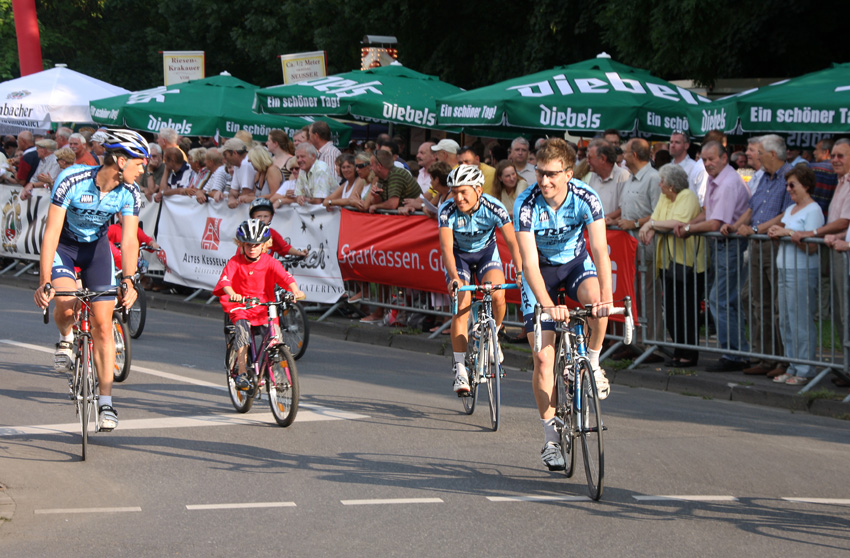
{"points": [[578, 414], [82, 383], [482, 361], [270, 365]]}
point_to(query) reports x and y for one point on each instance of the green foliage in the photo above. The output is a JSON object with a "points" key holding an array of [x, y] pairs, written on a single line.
{"points": [[9, 67]]}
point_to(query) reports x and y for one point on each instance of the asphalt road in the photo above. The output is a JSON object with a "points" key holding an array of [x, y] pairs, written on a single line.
{"points": [[382, 461]]}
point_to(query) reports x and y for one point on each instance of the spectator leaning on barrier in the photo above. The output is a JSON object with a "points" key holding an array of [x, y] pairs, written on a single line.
{"points": [[765, 209], [837, 221], [46, 170], [394, 184], [267, 178], [217, 181], [235, 153], [154, 172], [682, 262], [825, 178], [349, 193], [606, 178], [179, 173], [446, 151], [798, 275], [425, 158], [726, 199], [315, 180]]}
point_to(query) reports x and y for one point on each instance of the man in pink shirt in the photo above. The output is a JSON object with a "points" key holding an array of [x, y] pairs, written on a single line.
{"points": [[726, 198]]}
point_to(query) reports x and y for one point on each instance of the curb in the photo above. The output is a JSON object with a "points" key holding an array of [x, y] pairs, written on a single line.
{"points": [[721, 386]]}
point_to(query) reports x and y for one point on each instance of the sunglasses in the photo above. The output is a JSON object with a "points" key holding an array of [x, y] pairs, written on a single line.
{"points": [[361, 165], [548, 174]]}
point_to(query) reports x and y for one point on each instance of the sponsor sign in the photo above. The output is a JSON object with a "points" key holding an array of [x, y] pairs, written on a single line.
{"points": [[179, 66], [303, 66]]}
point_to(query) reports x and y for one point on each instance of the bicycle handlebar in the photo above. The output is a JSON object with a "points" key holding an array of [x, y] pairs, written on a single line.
{"points": [[85, 295], [584, 313], [486, 288], [286, 297]]}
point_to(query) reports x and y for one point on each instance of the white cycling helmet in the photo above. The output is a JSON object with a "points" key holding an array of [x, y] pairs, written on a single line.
{"points": [[465, 175], [128, 142]]}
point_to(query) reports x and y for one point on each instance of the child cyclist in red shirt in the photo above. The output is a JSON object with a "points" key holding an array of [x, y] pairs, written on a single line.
{"points": [[262, 209], [251, 273]]}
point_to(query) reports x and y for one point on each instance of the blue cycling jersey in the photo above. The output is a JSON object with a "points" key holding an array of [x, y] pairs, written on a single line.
{"points": [[88, 211], [473, 233], [559, 233]]}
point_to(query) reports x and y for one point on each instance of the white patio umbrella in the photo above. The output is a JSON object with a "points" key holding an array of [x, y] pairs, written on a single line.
{"points": [[59, 94]]}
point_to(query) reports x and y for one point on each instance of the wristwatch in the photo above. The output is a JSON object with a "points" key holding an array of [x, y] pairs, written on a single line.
{"points": [[756, 229], [688, 228]]}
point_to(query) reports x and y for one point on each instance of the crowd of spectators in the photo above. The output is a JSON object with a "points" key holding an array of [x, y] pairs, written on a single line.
{"points": [[664, 194]]}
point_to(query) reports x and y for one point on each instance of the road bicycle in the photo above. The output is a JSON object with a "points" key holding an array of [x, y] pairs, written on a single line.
{"points": [[293, 318], [83, 383], [578, 414], [270, 365], [482, 361]]}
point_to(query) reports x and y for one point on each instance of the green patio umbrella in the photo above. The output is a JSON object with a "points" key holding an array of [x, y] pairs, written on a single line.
{"points": [[816, 102], [589, 96], [389, 94], [218, 105]]}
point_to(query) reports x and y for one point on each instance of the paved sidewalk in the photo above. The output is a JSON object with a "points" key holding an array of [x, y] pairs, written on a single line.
{"points": [[695, 382]]}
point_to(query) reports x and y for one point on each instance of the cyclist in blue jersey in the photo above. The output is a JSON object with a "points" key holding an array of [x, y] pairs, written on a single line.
{"points": [[550, 219], [84, 201], [468, 223]]}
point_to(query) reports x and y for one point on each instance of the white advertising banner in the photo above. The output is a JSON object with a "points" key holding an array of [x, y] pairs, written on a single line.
{"points": [[198, 241]]}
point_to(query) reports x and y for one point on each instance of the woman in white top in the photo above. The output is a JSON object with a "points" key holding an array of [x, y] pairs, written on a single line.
{"points": [[350, 192], [507, 184], [268, 179], [797, 269], [281, 148]]}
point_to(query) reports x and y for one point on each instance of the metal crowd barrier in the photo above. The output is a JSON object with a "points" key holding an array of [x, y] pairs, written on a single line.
{"points": [[748, 293]]}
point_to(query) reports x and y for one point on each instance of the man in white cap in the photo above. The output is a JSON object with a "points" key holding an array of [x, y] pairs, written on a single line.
{"points": [[446, 151]]}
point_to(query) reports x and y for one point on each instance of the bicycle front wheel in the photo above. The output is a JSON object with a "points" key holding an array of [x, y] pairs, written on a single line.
{"points": [[84, 393], [295, 329], [491, 369], [563, 414], [241, 399], [123, 354], [590, 430], [137, 314], [282, 386]]}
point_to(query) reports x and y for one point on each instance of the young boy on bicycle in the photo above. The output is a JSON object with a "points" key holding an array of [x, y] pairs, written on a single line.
{"points": [[262, 209], [550, 218], [251, 273], [468, 223]]}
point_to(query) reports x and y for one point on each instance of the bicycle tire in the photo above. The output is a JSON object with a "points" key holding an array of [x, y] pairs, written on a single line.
{"points": [[242, 400], [85, 394], [123, 349], [137, 314], [471, 363], [295, 329], [591, 429], [492, 371], [282, 386], [563, 414]]}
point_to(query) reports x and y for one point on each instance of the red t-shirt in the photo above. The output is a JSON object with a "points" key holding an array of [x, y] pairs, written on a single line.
{"points": [[87, 159], [252, 279], [115, 233]]}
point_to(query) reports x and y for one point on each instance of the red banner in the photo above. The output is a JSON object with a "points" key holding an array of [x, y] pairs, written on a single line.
{"points": [[404, 251]]}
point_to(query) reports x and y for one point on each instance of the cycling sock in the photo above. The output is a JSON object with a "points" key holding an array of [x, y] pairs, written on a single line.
{"points": [[104, 400], [69, 338], [594, 359], [549, 432], [459, 357]]}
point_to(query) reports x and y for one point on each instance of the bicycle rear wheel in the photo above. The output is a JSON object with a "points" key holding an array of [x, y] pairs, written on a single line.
{"points": [[241, 399], [591, 429], [84, 393], [295, 329], [471, 363], [137, 314], [282, 386], [123, 353], [563, 414], [491, 369]]}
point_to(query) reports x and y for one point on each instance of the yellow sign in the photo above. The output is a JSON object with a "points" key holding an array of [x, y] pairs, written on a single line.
{"points": [[303, 66], [183, 65]]}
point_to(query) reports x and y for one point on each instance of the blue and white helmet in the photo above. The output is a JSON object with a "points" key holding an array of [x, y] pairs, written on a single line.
{"points": [[253, 231], [128, 142]]}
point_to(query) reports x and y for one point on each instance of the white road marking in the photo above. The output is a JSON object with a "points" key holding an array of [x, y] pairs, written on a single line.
{"points": [[313, 413], [832, 501], [379, 501], [86, 510], [686, 498], [240, 506], [538, 498]]}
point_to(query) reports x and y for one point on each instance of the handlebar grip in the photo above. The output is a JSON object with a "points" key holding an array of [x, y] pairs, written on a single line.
{"points": [[628, 332], [454, 297], [46, 315], [538, 342]]}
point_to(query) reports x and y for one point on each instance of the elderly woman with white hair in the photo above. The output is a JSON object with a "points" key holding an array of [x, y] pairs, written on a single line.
{"points": [[681, 262]]}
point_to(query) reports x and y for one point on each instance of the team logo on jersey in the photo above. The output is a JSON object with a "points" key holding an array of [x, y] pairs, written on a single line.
{"points": [[86, 198], [461, 222], [212, 234], [544, 217]]}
